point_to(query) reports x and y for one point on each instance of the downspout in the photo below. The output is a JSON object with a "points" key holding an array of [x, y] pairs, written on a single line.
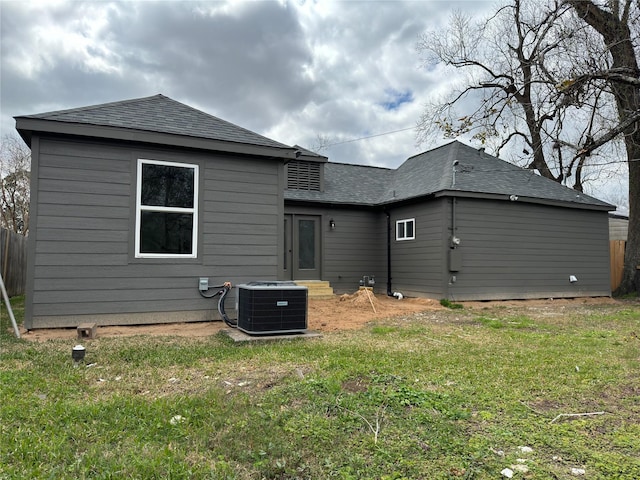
{"points": [[389, 289]]}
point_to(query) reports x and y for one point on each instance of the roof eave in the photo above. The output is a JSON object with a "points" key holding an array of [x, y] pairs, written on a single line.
{"points": [[540, 201], [331, 203], [309, 158], [26, 126], [460, 194]]}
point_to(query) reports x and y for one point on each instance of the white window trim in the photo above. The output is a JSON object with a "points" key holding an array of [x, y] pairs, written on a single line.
{"points": [[140, 208], [405, 222]]}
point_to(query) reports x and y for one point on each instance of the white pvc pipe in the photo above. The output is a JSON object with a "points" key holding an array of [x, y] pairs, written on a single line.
{"points": [[6, 300]]}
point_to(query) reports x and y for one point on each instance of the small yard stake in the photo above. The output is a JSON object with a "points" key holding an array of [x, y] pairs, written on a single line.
{"points": [[576, 415], [6, 300], [379, 417], [370, 301]]}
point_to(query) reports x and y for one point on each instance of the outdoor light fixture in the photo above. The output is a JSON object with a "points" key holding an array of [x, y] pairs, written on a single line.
{"points": [[332, 224], [77, 353]]}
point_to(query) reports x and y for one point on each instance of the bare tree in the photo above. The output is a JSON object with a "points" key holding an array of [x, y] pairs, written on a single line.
{"points": [[321, 143], [15, 162], [618, 24], [514, 65], [556, 80]]}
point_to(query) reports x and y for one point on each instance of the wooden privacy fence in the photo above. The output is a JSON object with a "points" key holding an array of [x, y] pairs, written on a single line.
{"points": [[616, 257], [13, 261]]}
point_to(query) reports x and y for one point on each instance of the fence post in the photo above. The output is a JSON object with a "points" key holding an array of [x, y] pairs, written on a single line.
{"points": [[616, 257]]}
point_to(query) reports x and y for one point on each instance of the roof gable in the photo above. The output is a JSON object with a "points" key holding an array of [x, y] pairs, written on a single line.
{"points": [[157, 114]]}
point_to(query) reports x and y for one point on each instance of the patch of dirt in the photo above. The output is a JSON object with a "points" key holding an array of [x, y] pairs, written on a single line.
{"points": [[341, 312], [348, 312], [543, 303]]}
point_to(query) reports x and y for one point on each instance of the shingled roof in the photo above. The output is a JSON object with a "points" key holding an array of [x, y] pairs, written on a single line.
{"points": [[157, 114], [346, 184], [432, 173], [161, 120]]}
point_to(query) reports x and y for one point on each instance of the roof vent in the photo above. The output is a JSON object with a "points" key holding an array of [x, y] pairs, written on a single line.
{"points": [[303, 175]]}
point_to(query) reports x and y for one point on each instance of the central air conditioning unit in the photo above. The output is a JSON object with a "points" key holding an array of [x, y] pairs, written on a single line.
{"points": [[266, 308]]}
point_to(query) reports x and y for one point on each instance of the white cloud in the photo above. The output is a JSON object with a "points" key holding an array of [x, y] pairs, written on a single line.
{"points": [[50, 42]]}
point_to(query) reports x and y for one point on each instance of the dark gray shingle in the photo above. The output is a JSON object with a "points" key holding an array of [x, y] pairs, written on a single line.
{"points": [[347, 184]]}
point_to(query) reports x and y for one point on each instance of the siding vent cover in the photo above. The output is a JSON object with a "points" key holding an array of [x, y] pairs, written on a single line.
{"points": [[266, 308]]}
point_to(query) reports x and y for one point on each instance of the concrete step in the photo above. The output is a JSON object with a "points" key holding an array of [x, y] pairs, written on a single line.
{"points": [[317, 288]]}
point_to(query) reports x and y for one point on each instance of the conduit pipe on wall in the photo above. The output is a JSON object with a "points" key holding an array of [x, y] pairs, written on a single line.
{"points": [[221, 290], [454, 241], [453, 217], [390, 292]]}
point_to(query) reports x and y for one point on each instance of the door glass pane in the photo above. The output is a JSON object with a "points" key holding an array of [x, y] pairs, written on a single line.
{"points": [[306, 244], [286, 242]]}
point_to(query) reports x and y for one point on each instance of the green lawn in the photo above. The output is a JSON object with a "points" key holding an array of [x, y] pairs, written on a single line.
{"points": [[436, 395]]}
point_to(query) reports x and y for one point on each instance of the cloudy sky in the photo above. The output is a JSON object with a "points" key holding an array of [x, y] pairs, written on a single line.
{"points": [[295, 71], [300, 71]]}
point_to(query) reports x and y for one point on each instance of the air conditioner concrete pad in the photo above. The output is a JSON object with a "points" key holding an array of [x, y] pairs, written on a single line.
{"points": [[239, 336]]}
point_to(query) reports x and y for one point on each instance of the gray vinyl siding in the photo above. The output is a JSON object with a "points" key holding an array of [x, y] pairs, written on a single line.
{"points": [[418, 266], [356, 247], [84, 267], [514, 250]]}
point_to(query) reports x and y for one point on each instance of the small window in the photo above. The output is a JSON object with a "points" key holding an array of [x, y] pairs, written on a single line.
{"points": [[405, 229], [166, 209]]}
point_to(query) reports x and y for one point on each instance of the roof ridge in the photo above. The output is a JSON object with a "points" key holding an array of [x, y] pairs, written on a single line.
{"points": [[219, 119], [360, 165], [95, 106], [434, 149]]}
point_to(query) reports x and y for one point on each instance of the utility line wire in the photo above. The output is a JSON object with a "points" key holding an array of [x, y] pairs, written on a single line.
{"points": [[370, 136], [479, 169], [613, 162]]}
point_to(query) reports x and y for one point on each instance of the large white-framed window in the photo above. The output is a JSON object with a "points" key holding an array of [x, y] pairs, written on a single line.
{"points": [[406, 229], [166, 210]]}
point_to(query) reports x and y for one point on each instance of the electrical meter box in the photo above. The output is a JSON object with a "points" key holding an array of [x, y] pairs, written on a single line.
{"points": [[455, 260], [266, 308]]}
